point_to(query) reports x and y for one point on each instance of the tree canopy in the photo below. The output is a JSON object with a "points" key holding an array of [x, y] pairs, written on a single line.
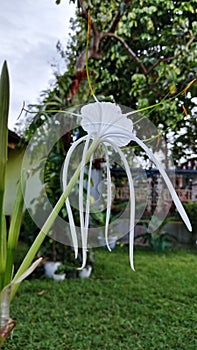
{"points": [[140, 52]]}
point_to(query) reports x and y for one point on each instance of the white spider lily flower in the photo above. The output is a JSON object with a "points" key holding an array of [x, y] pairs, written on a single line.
{"points": [[106, 125]]}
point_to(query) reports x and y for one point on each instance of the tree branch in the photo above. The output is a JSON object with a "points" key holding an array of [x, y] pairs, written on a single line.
{"points": [[164, 59], [168, 59], [117, 18], [93, 51], [96, 50], [190, 40], [115, 22], [129, 50]]}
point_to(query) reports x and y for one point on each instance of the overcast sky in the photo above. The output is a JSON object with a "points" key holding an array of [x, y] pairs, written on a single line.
{"points": [[29, 31]]}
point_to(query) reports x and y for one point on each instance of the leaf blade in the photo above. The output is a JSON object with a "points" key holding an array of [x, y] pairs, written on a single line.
{"points": [[14, 231], [4, 111]]}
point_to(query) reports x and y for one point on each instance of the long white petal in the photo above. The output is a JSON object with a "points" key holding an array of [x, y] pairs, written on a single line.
{"points": [[132, 202], [173, 193], [109, 198], [68, 206], [81, 209], [87, 213], [88, 192], [72, 227]]}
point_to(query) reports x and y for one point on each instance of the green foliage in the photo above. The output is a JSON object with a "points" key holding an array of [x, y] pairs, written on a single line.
{"points": [[162, 36], [50, 249], [8, 238], [191, 209], [8, 241], [153, 308], [159, 240], [13, 234], [4, 110]]}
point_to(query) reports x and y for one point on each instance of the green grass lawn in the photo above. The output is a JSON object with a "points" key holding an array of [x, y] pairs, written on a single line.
{"points": [[153, 308]]}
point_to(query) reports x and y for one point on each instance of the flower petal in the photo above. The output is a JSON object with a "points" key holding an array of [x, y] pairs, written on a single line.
{"points": [[68, 206], [88, 191], [106, 118], [132, 202], [87, 213], [121, 137], [109, 199], [173, 193], [81, 210]]}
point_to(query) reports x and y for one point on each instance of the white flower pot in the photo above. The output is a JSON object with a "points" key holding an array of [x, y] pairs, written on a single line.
{"points": [[59, 277], [51, 267], [111, 240], [85, 272]]}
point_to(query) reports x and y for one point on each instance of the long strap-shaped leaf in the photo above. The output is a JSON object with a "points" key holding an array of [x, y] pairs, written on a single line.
{"points": [[14, 231], [3, 251], [4, 110]]}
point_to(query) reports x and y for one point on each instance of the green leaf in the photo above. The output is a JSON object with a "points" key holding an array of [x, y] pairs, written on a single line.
{"points": [[3, 251], [4, 109], [14, 231]]}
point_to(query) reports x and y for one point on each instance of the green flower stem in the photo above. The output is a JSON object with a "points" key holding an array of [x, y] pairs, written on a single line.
{"points": [[49, 222]]}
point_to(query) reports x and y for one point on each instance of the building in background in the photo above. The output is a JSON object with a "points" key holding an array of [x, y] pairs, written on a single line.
{"points": [[16, 151]]}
